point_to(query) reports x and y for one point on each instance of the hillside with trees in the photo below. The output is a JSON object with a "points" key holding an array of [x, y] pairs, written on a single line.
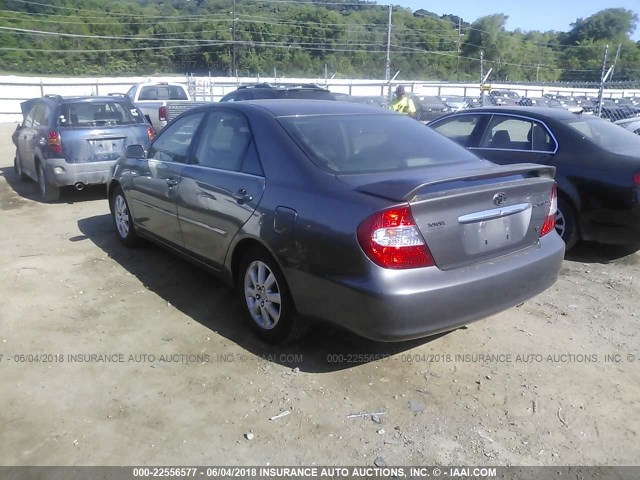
{"points": [[302, 38]]}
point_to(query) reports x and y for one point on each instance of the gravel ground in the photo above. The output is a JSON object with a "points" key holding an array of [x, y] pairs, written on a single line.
{"points": [[176, 377]]}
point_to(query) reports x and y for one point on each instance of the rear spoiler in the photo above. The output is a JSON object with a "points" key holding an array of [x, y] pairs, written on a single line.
{"points": [[407, 190]]}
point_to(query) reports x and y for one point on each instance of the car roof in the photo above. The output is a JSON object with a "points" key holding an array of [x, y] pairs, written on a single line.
{"points": [[283, 86], [95, 98], [541, 112], [291, 107]]}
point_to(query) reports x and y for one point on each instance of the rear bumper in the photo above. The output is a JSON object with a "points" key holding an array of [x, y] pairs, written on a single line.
{"points": [[613, 226], [409, 304], [63, 174]]}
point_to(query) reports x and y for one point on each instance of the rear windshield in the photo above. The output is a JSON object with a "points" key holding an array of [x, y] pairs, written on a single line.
{"points": [[432, 102], [371, 143], [162, 92], [97, 114], [607, 135]]}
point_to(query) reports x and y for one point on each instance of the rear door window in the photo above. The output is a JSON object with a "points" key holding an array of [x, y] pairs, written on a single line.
{"points": [[28, 121], [226, 143], [515, 133], [40, 115], [459, 129]]}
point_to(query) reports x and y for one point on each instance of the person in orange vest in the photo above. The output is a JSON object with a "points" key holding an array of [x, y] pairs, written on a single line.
{"points": [[403, 103]]}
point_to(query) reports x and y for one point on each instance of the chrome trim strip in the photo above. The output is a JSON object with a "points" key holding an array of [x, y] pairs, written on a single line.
{"points": [[153, 207], [203, 225], [493, 213], [546, 152]]}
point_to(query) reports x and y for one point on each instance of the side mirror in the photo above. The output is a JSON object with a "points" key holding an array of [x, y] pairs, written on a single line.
{"points": [[135, 151]]}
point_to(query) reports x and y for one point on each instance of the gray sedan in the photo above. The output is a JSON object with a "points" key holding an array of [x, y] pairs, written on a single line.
{"points": [[341, 212]]}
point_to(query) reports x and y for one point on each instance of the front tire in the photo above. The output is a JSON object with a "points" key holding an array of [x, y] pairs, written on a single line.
{"points": [[122, 220], [266, 299], [49, 193], [566, 225]]}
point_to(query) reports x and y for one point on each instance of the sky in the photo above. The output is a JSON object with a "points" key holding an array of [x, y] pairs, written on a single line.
{"points": [[526, 15]]}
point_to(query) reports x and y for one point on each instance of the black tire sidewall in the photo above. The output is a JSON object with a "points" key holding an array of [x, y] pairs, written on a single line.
{"points": [[570, 236], [17, 166], [282, 332], [51, 193]]}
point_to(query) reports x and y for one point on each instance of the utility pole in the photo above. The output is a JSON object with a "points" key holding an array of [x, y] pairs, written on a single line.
{"points": [[537, 72], [233, 47], [387, 72], [602, 80], [458, 59], [481, 78]]}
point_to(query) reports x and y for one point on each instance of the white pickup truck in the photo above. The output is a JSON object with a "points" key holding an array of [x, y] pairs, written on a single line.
{"points": [[161, 102]]}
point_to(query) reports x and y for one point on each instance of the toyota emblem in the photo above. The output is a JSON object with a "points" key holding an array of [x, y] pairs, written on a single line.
{"points": [[499, 198]]}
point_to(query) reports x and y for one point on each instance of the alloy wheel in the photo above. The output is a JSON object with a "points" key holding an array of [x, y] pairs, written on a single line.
{"points": [[121, 216], [262, 294]]}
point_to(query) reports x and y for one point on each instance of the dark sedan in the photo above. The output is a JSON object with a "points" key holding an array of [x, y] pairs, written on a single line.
{"points": [[597, 164], [342, 212]]}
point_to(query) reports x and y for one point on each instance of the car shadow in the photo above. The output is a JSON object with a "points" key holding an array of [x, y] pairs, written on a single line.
{"points": [[29, 189], [201, 296], [592, 252]]}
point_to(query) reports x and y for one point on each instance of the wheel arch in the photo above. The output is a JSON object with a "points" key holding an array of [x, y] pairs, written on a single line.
{"points": [[111, 187], [241, 249]]}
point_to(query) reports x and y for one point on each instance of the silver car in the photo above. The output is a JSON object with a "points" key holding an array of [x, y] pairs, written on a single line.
{"points": [[341, 212]]}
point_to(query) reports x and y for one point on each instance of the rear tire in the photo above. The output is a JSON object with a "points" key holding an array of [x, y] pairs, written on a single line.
{"points": [[566, 225], [49, 193], [122, 220], [17, 167], [266, 299]]}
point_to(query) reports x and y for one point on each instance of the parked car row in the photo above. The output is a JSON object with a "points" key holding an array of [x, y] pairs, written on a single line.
{"points": [[312, 208]]}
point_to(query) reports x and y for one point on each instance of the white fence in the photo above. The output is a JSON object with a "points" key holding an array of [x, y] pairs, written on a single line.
{"points": [[16, 89]]}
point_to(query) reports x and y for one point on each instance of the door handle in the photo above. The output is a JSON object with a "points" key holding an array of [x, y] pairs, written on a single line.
{"points": [[242, 196], [172, 182]]}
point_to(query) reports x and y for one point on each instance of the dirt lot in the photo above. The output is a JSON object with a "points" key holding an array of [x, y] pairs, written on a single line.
{"points": [[555, 381]]}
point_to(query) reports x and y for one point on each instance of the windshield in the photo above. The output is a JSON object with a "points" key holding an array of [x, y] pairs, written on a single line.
{"points": [[96, 114], [371, 143], [607, 135]]}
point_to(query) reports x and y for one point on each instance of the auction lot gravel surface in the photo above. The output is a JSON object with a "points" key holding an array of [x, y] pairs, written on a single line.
{"points": [[111, 356]]}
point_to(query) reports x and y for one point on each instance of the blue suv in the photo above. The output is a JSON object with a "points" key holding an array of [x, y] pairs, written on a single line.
{"points": [[75, 141]]}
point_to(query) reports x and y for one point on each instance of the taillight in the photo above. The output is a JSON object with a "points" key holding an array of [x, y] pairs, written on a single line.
{"points": [[550, 222], [636, 179], [54, 142], [391, 239], [151, 133], [162, 114]]}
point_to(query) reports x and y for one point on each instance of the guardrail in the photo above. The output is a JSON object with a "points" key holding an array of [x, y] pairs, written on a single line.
{"points": [[16, 89]]}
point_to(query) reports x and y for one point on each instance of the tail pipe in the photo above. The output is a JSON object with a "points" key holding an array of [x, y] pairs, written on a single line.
{"points": [[79, 186]]}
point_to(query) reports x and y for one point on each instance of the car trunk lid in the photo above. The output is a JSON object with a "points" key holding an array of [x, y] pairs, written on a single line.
{"points": [[476, 214]]}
